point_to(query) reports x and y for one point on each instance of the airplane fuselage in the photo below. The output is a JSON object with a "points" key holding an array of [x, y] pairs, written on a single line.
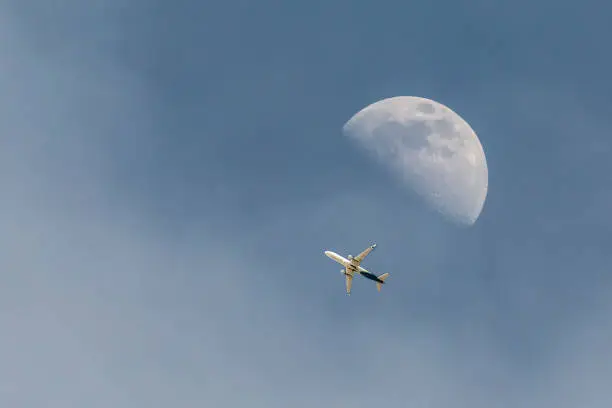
{"points": [[352, 267], [371, 276]]}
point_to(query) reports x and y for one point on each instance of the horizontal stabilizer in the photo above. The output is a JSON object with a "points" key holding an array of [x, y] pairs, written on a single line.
{"points": [[382, 278]]}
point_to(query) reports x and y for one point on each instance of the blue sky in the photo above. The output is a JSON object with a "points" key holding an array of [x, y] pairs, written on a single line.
{"points": [[172, 173]]}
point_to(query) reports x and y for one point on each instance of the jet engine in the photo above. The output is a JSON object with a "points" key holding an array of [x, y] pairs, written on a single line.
{"points": [[350, 257], [342, 271]]}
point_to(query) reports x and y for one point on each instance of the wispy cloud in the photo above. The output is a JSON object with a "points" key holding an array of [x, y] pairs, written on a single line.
{"points": [[103, 302]]}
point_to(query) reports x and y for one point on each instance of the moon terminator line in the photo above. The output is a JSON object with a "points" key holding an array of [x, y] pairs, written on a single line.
{"points": [[430, 148]]}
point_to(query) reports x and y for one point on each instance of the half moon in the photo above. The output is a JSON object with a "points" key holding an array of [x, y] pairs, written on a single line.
{"points": [[432, 150]]}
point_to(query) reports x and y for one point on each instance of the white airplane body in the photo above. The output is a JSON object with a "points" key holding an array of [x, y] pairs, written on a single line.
{"points": [[353, 266]]}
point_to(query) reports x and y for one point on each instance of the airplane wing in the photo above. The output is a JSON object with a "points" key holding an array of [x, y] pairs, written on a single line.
{"points": [[365, 253], [349, 282]]}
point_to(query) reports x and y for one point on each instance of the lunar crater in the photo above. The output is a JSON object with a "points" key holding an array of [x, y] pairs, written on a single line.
{"points": [[426, 107]]}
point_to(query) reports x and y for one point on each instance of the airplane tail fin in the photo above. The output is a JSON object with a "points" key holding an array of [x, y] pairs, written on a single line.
{"points": [[382, 278]]}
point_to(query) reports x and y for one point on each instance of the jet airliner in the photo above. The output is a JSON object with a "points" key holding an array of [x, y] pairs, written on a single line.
{"points": [[352, 266]]}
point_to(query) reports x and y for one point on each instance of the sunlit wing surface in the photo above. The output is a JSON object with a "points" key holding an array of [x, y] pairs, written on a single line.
{"points": [[349, 282], [352, 267], [365, 253]]}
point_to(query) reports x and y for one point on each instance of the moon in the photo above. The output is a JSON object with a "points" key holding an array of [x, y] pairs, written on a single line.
{"points": [[430, 148]]}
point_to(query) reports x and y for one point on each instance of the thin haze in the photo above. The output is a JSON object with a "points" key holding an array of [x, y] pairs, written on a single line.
{"points": [[172, 172]]}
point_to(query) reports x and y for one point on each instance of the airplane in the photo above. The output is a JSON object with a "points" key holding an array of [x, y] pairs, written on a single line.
{"points": [[352, 266]]}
